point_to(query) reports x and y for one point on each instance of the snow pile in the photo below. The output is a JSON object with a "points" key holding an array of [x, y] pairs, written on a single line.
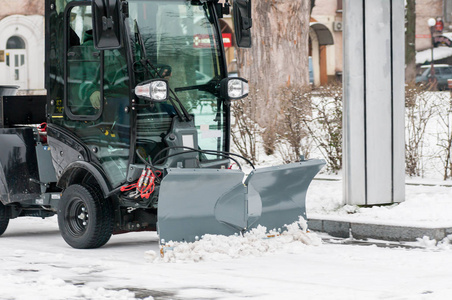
{"points": [[426, 242], [255, 243], [48, 287]]}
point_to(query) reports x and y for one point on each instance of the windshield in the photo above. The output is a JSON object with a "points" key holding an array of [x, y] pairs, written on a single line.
{"points": [[179, 39]]}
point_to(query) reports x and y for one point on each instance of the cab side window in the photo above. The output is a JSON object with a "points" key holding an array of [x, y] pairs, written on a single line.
{"points": [[83, 66]]}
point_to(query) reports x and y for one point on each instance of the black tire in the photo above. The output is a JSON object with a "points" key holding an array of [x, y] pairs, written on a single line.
{"points": [[4, 219], [85, 219]]}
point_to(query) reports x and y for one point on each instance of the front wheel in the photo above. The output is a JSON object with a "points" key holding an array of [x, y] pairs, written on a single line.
{"points": [[4, 219], [85, 219]]}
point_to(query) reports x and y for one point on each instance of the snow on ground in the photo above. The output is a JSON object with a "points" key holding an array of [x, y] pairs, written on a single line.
{"points": [[425, 205], [37, 264]]}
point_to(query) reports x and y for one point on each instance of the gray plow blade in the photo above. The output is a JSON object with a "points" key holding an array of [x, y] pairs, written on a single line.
{"points": [[194, 202], [280, 192]]}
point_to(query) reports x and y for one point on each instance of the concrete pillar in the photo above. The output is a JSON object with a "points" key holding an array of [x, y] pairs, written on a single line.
{"points": [[374, 110]]}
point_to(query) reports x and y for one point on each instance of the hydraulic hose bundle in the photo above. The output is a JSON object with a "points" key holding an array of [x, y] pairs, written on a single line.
{"points": [[145, 185]]}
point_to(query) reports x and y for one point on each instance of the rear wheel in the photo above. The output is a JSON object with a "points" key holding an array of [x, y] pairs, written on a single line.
{"points": [[4, 219], [85, 219]]}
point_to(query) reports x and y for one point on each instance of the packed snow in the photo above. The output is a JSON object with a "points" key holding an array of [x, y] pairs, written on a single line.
{"points": [[38, 264]]}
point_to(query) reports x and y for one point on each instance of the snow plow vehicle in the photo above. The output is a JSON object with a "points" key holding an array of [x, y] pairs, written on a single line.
{"points": [[134, 131]]}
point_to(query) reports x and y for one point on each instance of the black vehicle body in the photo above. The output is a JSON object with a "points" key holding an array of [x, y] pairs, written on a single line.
{"points": [[27, 178], [126, 116], [37, 165]]}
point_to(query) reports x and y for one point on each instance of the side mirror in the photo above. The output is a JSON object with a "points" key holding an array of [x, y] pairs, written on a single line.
{"points": [[234, 88], [242, 22], [106, 24], [154, 90]]}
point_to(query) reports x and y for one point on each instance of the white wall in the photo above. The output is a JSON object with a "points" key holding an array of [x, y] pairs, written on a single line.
{"points": [[31, 30]]}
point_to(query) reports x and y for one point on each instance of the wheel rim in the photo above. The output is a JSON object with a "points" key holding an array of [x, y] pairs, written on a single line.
{"points": [[77, 217]]}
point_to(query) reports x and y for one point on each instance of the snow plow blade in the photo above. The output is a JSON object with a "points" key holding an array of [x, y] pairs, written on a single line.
{"points": [[194, 202]]}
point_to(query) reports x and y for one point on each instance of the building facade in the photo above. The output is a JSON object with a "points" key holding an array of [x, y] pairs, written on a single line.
{"points": [[326, 59], [329, 13], [22, 44], [426, 9]]}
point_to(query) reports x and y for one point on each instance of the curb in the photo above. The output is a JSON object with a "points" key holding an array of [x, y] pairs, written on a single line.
{"points": [[344, 229]]}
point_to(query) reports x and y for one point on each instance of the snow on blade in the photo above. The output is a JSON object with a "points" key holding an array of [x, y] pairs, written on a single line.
{"points": [[255, 243]]}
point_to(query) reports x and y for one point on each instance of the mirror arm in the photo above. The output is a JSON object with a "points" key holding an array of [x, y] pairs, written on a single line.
{"points": [[247, 23], [107, 23]]}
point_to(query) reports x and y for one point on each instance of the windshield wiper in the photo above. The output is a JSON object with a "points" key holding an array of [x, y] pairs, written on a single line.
{"points": [[139, 39], [211, 87]]}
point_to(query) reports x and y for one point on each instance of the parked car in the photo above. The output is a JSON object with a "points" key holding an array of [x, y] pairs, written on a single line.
{"points": [[442, 73]]}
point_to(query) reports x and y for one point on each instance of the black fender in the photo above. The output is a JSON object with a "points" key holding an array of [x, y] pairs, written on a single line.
{"points": [[83, 172], [73, 161]]}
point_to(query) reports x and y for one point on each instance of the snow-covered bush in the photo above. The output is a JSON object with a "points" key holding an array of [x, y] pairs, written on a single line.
{"points": [[428, 132], [325, 126], [444, 133], [419, 111], [292, 135], [244, 130], [310, 124]]}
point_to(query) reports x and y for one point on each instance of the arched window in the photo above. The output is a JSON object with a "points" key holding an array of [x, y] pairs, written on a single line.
{"points": [[15, 42]]}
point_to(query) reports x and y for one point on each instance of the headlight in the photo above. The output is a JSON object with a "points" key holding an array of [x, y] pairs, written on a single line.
{"points": [[155, 90], [237, 88], [234, 88]]}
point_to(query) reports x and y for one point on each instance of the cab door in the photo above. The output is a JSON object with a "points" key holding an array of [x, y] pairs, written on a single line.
{"points": [[96, 94]]}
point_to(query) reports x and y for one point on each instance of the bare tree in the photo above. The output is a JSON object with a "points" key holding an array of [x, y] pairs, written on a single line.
{"points": [[279, 57]]}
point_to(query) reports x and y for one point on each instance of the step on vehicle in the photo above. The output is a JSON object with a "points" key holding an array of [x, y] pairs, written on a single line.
{"points": [[134, 132]]}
